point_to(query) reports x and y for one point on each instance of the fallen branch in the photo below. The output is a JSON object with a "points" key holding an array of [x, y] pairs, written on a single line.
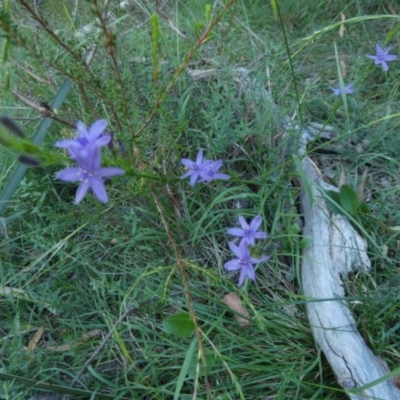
{"points": [[336, 249]]}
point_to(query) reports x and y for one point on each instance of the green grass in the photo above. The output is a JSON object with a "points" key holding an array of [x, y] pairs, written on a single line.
{"points": [[79, 268]]}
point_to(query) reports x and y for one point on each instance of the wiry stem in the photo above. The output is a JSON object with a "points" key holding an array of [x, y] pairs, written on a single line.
{"points": [[45, 26], [81, 83], [184, 64], [110, 48], [179, 260], [46, 112]]}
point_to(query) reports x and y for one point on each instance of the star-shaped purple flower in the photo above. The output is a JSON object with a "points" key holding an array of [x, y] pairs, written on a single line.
{"points": [[244, 262], [348, 89], [209, 172], [248, 231], [194, 167], [90, 174], [94, 136], [383, 56], [206, 170]]}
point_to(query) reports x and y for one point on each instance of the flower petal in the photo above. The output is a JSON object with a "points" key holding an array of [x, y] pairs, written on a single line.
{"points": [[384, 65], [70, 174], [260, 235], [255, 223], [199, 158], [187, 163], [235, 232], [242, 277], [81, 191], [232, 265], [82, 130], [243, 223], [65, 143], [250, 273], [235, 249], [103, 140], [109, 171], [216, 165], [193, 178], [388, 49], [97, 129], [186, 174], [98, 189]]}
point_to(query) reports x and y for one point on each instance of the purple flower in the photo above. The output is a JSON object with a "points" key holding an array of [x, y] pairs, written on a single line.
{"points": [[94, 136], [347, 89], [194, 167], [244, 262], [248, 231], [382, 56], [90, 174], [209, 172]]}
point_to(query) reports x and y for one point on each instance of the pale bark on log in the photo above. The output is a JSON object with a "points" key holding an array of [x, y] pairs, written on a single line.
{"points": [[336, 249]]}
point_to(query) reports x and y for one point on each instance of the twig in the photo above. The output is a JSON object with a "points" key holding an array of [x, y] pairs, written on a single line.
{"points": [[43, 110], [182, 67], [45, 26], [33, 75], [110, 48]]}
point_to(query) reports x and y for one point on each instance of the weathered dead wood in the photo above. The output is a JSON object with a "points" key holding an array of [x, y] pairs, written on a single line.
{"points": [[336, 249]]}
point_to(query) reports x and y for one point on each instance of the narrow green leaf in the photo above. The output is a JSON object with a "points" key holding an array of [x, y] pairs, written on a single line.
{"points": [[349, 199], [208, 13], [304, 179], [179, 324], [210, 360], [40, 134], [274, 8], [185, 368], [49, 387], [341, 85]]}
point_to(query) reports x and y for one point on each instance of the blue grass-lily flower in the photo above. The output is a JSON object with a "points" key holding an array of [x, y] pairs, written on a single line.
{"points": [[194, 167], [348, 89], [383, 56], [86, 137], [209, 172], [244, 262], [90, 174], [248, 231]]}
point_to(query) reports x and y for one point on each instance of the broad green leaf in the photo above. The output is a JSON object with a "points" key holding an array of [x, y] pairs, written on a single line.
{"points": [[305, 243], [333, 202], [179, 324], [348, 199], [363, 207]]}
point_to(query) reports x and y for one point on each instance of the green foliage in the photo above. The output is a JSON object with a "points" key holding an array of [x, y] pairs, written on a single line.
{"points": [[79, 269], [179, 324], [346, 198]]}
